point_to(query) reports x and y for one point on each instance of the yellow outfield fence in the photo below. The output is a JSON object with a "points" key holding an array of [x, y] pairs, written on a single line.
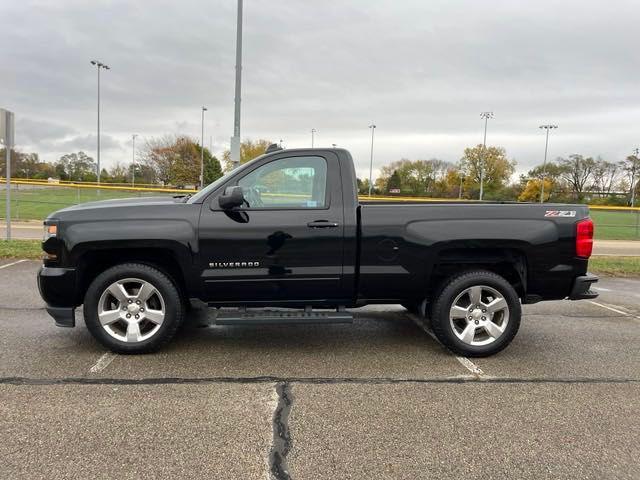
{"points": [[55, 181], [101, 186], [153, 188]]}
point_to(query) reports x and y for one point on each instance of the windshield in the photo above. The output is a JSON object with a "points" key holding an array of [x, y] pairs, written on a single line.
{"points": [[202, 194]]}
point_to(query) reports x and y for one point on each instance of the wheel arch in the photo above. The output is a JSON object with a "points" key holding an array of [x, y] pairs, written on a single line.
{"points": [[92, 262], [511, 264]]}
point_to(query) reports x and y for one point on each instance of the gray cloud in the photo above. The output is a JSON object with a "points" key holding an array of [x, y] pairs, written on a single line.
{"points": [[423, 71], [88, 143]]}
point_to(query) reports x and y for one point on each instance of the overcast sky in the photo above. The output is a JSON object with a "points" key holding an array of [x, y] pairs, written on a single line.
{"points": [[421, 70]]}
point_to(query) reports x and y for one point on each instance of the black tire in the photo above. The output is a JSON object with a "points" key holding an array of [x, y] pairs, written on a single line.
{"points": [[441, 306], [173, 307]]}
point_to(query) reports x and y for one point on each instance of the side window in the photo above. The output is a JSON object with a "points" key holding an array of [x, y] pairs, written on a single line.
{"points": [[294, 182]]}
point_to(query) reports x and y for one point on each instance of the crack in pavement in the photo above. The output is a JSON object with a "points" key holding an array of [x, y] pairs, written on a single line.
{"points": [[281, 435], [461, 379]]}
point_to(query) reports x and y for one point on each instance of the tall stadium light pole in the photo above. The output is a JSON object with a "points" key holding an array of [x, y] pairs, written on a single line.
{"points": [[235, 140], [133, 159], [373, 130], [486, 116], [99, 66], [7, 149], [7, 138], [544, 164], [204, 109], [634, 167], [313, 137]]}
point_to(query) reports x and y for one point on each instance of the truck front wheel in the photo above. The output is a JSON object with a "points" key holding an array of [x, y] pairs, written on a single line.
{"points": [[133, 308], [476, 314]]}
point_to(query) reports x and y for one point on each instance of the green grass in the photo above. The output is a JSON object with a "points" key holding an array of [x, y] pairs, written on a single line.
{"points": [[615, 266], [21, 249], [35, 203], [615, 225]]}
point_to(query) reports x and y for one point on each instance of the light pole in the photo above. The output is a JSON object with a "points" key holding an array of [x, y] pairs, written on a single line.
{"points": [[99, 66], [460, 191], [7, 138], [486, 116], [133, 159], [373, 130], [204, 109], [634, 167], [313, 133], [235, 140], [544, 165]]}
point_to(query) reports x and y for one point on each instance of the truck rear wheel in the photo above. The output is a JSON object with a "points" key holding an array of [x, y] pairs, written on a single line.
{"points": [[476, 314], [133, 308]]}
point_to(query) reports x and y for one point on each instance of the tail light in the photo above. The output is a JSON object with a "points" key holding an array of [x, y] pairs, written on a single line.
{"points": [[584, 238]]}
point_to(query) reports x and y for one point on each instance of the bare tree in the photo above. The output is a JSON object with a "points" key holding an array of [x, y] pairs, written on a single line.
{"points": [[605, 176], [577, 171]]}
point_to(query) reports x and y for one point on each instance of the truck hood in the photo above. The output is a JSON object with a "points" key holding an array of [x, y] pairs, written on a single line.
{"points": [[120, 203]]}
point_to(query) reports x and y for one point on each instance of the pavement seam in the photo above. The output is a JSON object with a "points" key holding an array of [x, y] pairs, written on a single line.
{"points": [[462, 379], [281, 434]]}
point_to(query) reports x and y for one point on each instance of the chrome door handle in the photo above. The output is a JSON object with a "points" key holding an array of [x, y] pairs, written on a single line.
{"points": [[322, 224]]}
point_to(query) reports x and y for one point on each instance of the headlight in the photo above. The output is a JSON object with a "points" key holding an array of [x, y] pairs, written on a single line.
{"points": [[50, 231]]}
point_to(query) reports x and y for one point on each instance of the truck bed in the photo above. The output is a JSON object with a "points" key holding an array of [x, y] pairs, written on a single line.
{"points": [[403, 243]]}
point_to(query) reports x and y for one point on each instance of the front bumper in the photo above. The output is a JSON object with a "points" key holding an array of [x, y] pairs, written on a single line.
{"points": [[58, 289], [63, 316], [582, 287]]}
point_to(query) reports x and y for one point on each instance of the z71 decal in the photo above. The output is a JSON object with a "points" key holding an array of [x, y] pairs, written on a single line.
{"points": [[560, 213]]}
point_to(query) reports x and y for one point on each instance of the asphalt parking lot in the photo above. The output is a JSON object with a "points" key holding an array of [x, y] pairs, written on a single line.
{"points": [[376, 399]]}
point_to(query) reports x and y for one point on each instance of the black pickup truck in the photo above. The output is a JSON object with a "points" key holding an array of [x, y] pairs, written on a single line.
{"points": [[286, 231]]}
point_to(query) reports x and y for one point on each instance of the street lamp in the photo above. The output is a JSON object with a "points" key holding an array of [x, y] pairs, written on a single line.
{"points": [[373, 129], [544, 165], [133, 159], [313, 133], [486, 116], [204, 109], [99, 65], [235, 140]]}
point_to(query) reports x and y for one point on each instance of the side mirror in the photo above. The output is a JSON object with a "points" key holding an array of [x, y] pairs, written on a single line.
{"points": [[232, 197]]}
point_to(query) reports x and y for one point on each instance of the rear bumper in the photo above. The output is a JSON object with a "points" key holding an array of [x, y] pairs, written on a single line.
{"points": [[582, 287], [58, 289]]}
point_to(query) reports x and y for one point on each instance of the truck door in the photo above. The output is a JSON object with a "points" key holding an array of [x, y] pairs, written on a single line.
{"points": [[286, 242]]}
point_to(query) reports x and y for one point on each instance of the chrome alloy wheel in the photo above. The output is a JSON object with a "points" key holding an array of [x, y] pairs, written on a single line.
{"points": [[131, 310], [479, 315]]}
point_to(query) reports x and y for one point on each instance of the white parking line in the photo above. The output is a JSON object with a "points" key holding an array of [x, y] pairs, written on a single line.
{"points": [[464, 361], [12, 264], [472, 367], [103, 362], [616, 310]]}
